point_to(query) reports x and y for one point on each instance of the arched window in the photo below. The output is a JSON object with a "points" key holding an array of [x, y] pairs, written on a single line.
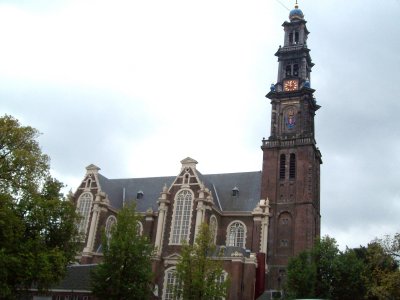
{"points": [[181, 217], [236, 234], [111, 220], [213, 228], [282, 167], [169, 284], [285, 232], [292, 166], [83, 209]]}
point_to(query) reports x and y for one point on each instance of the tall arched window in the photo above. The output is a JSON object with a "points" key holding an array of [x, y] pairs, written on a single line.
{"points": [[292, 166], [83, 209], [169, 284], [111, 220], [181, 217], [282, 167], [213, 228], [236, 234]]}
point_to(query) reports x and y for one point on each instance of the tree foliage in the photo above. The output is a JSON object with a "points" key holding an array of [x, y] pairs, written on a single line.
{"points": [[310, 274], [126, 269], [37, 225], [199, 273], [301, 276], [391, 245], [362, 273]]}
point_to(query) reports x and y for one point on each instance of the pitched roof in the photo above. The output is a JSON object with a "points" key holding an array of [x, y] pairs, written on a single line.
{"points": [[77, 278], [221, 185]]}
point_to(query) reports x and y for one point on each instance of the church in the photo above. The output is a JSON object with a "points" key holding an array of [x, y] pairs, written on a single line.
{"points": [[260, 219]]}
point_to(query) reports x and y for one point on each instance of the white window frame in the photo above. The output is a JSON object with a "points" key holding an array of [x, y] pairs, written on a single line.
{"points": [[233, 240], [169, 283], [84, 208], [181, 217]]}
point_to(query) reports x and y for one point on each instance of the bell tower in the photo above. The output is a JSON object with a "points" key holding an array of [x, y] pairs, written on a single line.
{"points": [[291, 159]]}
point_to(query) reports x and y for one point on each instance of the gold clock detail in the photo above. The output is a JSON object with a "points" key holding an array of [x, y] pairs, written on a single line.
{"points": [[290, 85]]}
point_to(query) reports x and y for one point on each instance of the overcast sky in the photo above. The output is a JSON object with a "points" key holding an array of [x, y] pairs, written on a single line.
{"points": [[136, 86]]}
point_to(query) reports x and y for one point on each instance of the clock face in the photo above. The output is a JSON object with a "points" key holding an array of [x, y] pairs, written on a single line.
{"points": [[291, 85]]}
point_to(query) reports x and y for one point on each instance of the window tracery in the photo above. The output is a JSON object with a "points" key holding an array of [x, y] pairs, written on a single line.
{"points": [[236, 234], [84, 206], [182, 217]]}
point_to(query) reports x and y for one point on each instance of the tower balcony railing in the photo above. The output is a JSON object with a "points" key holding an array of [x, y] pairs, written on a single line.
{"points": [[288, 143], [292, 47]]}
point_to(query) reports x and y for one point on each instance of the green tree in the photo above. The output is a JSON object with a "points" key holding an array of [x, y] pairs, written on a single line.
{"points": [[347, 282], [126, 269], [199, 273], [381, 273], [38, 236], [301, 276], [324, 254], [369, 273], [311, 273]]}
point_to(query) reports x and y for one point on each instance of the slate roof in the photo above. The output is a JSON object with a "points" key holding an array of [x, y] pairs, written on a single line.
{"points": [[221, 185], [77, 278], [151, 188]]}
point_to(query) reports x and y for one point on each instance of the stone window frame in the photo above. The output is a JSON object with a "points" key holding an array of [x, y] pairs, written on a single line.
{"points": [[83, 208], [214, 228], [169, 283], [111, 220], [229, 239], [178, 227]]}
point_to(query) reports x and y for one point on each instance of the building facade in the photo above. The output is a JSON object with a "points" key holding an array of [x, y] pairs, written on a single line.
{"points": [[259, 218]]}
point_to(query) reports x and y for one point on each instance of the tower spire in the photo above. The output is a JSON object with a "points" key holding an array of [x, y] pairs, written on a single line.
{"points": [[291, 160]]}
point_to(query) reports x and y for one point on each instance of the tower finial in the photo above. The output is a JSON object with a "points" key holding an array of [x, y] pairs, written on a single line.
{"points": [[296, 5]]}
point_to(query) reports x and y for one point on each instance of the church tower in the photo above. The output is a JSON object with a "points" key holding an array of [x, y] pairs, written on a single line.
{"points": [[291, 159]]}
